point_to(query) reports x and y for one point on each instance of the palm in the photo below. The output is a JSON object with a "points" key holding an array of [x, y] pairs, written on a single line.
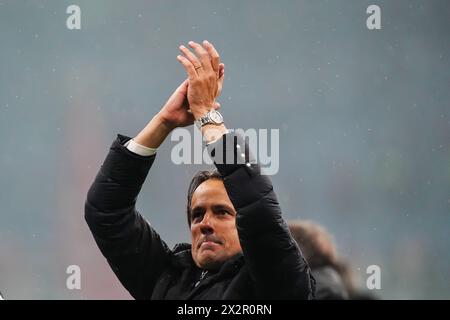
{"points": [[175, 110]]}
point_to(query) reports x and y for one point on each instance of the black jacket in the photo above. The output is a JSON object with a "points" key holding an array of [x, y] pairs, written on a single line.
{"points": [[270, 267], [329, 284]]}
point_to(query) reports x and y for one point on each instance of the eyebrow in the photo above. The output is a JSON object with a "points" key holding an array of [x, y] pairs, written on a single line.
{"points": [[197, 208], [224, 207], [215, 207]]}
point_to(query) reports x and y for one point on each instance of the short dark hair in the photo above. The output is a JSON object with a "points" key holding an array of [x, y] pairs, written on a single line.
{"points": [[197, 180], [316, 243]]}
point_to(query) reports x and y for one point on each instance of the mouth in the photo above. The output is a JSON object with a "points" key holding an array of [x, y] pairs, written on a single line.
{"points": [[208, 243]]}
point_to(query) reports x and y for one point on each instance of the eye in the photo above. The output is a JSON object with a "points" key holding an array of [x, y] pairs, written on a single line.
{"points": [[223, 212], [196, 216]]}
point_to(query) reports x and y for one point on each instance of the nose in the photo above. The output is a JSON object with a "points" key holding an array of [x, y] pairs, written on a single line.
{"points": [[206, 225]]}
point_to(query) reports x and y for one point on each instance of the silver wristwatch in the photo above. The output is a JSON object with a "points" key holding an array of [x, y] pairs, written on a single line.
{"points": [[212, 117]]}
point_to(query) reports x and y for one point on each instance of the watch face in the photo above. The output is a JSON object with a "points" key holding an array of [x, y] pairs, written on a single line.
{"points": [[216, 117]]}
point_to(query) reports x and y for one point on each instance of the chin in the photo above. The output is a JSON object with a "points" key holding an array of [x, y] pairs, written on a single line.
{"points": [[209, 261]]}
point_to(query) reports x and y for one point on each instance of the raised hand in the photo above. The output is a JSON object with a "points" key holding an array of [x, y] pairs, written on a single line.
{"points": [[205, 75], [175, 112], [193, 98]]}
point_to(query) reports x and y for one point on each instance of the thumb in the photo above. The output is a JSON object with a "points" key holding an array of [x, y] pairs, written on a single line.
{"points": [[216, 105], [221, 78], [182, 88], [221, 70]]}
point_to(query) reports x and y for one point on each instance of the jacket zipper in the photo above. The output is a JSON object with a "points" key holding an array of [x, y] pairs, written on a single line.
{"points": [[202, 276]]}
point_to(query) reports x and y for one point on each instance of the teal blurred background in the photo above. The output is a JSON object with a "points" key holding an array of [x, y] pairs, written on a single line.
{"points": [[364, 119]]}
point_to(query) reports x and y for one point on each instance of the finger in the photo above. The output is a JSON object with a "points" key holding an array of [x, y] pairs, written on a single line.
{"points": [[188, 66], [183, 85], [182, 88], [220, 83], [202, 55], [216, 105], [213, 54], [191, 57], [221, 70], [221, 79]]}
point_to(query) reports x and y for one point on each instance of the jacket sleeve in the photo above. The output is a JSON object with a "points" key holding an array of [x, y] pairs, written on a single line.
{"points": [[132, 248], [275, 262]]}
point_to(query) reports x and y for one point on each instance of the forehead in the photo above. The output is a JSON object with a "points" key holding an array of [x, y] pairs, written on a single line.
{"points": [[210, 191]]}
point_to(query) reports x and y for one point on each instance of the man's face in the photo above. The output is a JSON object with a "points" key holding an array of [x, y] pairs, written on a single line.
{"points": [[213, 225]]}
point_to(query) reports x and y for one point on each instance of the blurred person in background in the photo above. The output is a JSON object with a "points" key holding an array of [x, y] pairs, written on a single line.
{"points": [[320, 252], [348, 277], [334, 277], [240, 247]]}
